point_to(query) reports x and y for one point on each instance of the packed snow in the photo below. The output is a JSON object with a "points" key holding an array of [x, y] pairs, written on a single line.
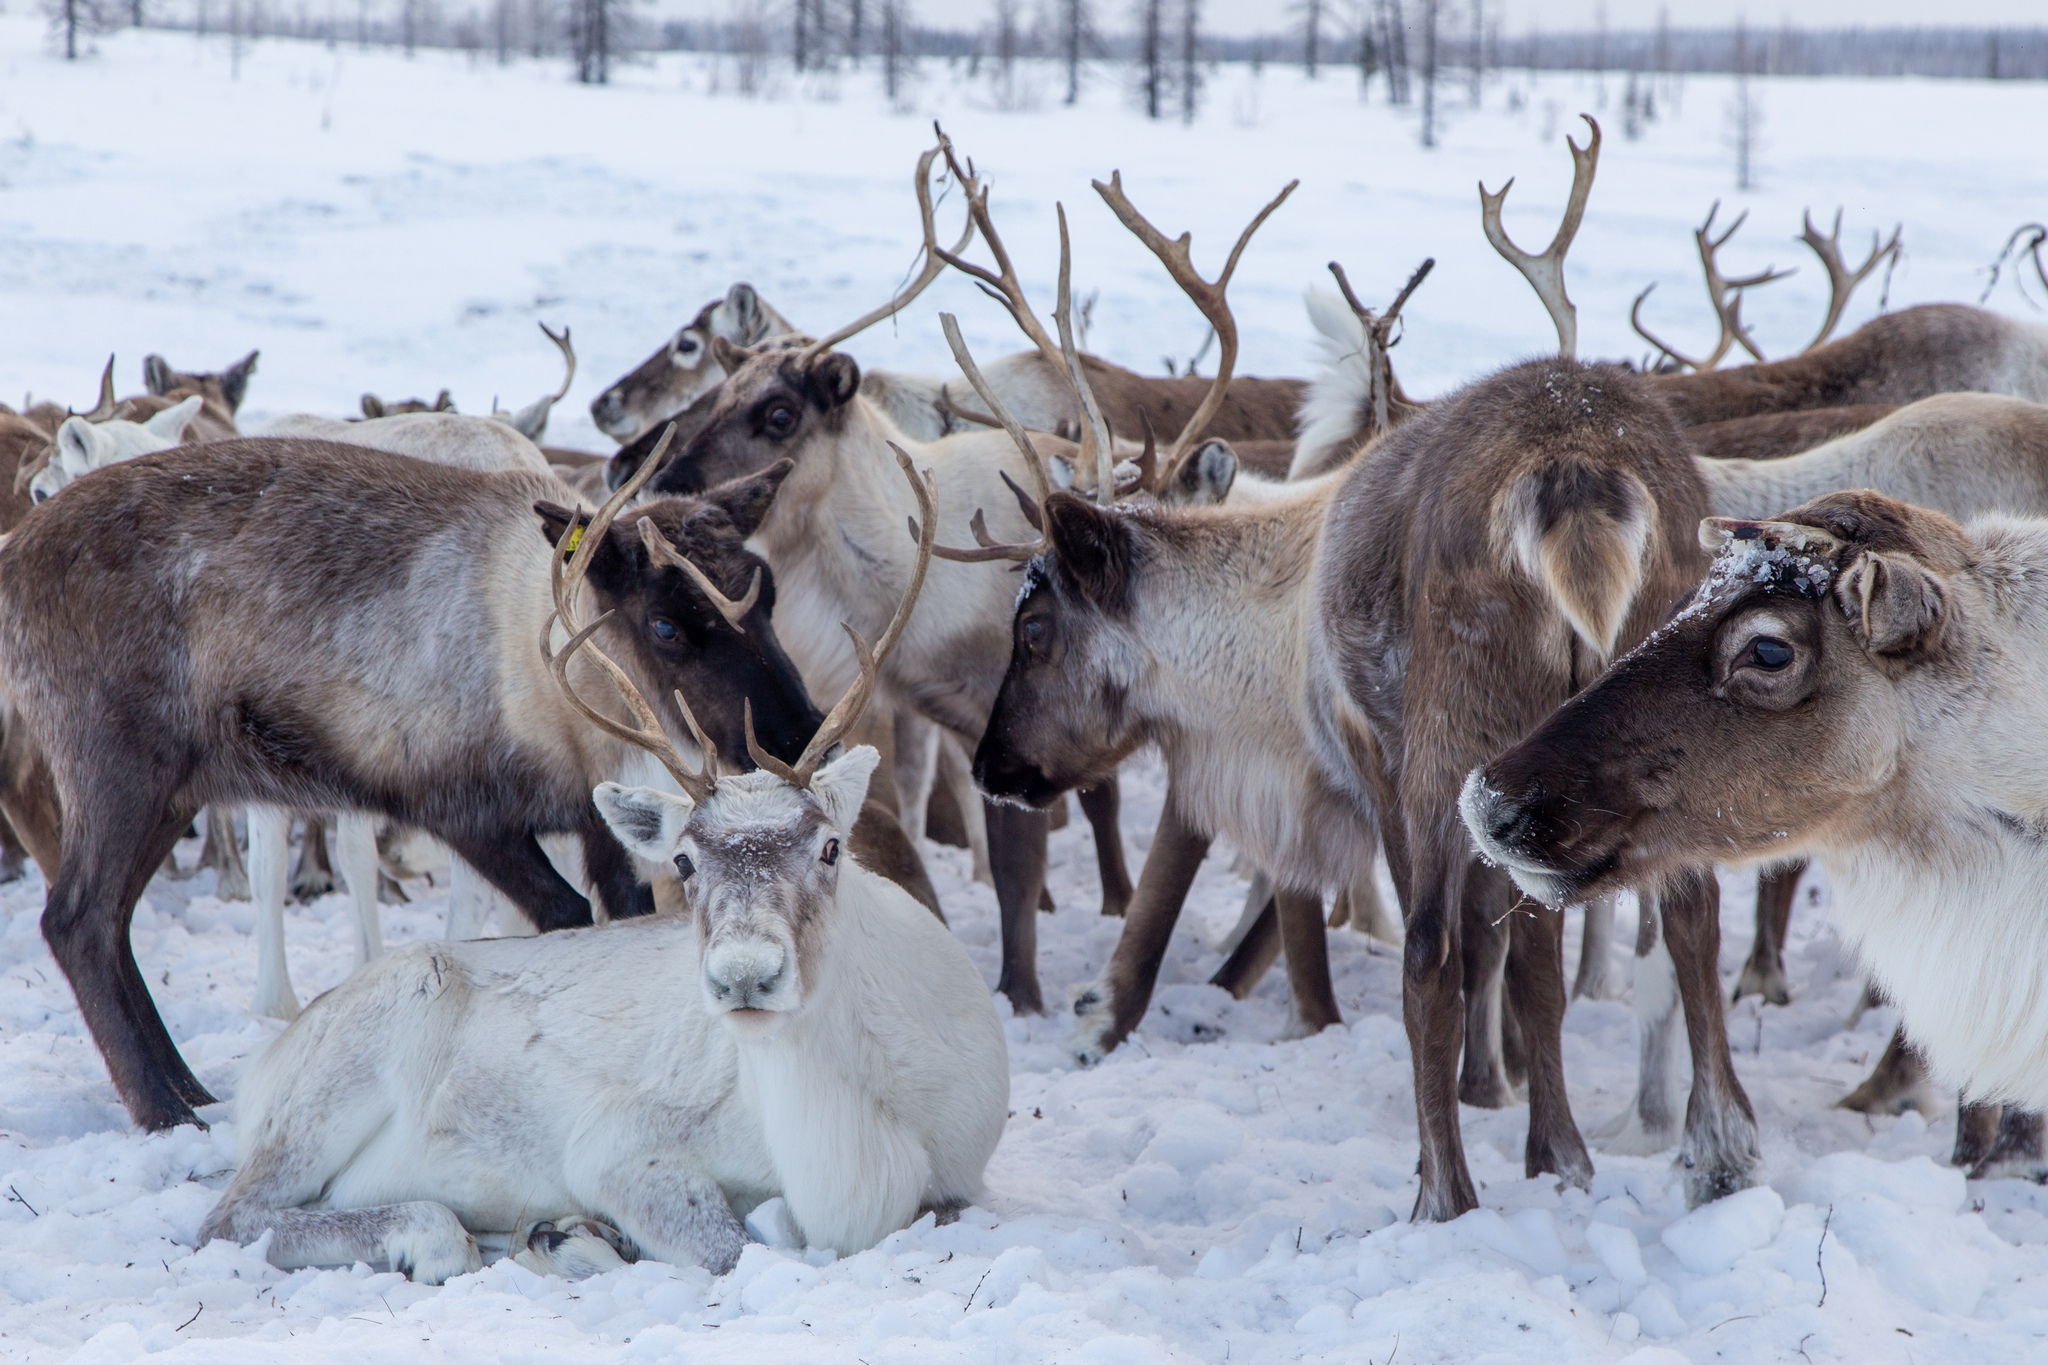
{"points": [[1210, 1192]]}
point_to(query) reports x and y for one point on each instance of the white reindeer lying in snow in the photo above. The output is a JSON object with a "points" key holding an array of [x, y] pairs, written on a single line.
{"points": [[811, 1031]]}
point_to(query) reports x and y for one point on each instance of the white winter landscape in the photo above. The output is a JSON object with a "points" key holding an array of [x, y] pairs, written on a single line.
{"points": [[1211, 1192]]}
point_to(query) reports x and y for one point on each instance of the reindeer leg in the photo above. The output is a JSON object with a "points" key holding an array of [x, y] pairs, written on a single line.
{"points": [[956, 778], [1764, 973], [1110, 1009], [224, 853], [666, 1213], [86, 923], [1258, 948], [2017, 1151], [518, 867], [1650, 1125], [28, 798], [314, 876], [1897, 1083], [13, 856], [355, 844], [1432, 978], [1482, 1079], [1016, 850], [1976, 1132], [1312, 1001], [1101, 804], [916, 762], [1719, 1150], [1369, 914], [270, 832], [1536, 997], [608, 869], [1595, 980]]}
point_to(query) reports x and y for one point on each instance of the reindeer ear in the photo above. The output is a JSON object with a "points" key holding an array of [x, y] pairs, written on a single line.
{"points": [[834, 380], [729, 356], [1206, 478], [648, 821], [619, 554], [78, 447], [842, 785], [1093, 546], [1894, 603], [748, 323], [747, 500], [157, 375], [373, 406], [169, 425], [234, 380]]}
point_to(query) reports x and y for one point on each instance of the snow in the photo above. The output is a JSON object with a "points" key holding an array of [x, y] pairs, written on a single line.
{"points": [[1211, 1191]]}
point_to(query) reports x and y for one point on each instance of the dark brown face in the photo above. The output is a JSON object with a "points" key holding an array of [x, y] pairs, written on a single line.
{"points": [[1063, 717], [771, 407], [1762, 718], [680, 639]]}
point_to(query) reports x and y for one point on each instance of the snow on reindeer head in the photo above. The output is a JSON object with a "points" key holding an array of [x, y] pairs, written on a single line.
{"points": [[760, 851]]}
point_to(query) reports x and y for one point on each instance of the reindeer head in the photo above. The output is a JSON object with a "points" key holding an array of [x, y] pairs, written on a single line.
{"points": [[760, 859], [228, 387], [84, 446], [690, 605], [685, 367], [760, 851], [1062, 718], [774, 404], [1766, 715]]}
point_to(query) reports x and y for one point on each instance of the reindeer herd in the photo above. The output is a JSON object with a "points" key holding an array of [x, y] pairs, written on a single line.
{"points": [[1573, 629]]}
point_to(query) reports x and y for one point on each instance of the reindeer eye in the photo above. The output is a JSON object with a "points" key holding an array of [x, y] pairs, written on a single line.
{"points": [[664, 628], [687, 346], [830, 855], [780, 421], [684, 867], [1770, 654]]}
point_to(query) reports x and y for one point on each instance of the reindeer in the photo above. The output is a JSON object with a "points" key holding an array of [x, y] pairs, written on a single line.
{"points": [[222, 391], [1898, 654], [837, 534], [253, 664], [1893, 359], [685, 367], [808, 1032], [84, 446]]}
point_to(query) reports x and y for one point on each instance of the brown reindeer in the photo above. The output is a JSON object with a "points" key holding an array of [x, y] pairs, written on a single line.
{"points": [[1896, 654], [253, 663], [223, 392]]}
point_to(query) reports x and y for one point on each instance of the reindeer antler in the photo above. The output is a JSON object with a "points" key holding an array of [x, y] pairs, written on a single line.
{"points": [[1723, 293], [1042, 485], [568, 358], [1545, 272], [1207, 295], [106, 406], [1842, 281], [935, 257], [568, 565], [1002, 285], [1378, 338], [661, 552], [847, 712]]}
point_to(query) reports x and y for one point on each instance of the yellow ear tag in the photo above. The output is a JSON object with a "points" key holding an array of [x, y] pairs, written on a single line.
{"points": [[575, 539]]}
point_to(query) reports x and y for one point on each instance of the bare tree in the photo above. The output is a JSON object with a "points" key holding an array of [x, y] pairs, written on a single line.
{"points": [[801, 32], [1365, 23], [856, 28], [1076, 32], [1429, 18], [72, 19], [592, 31], [1311, 35], [1006, 54], [1190, 71], [1394, 34], [1478, 49], [501, 30], [1744, 116], [893, 25], [1152, 74]]}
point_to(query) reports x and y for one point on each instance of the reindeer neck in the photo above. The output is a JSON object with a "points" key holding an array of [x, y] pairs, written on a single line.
{"points": [[1225, 620]]}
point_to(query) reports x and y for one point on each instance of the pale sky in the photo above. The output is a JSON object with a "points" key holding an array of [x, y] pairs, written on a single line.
{"points": [[1272, 16]]}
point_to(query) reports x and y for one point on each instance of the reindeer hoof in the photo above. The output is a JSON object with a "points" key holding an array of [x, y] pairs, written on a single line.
{"points": [[435, 1249], [575, 1248], [1771, 985], [1093, 1022]]}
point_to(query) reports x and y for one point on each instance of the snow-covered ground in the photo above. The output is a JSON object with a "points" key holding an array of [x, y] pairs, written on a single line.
{"points": [[1207, 1193]]}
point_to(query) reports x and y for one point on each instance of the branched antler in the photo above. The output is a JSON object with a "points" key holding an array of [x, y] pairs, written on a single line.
{"points": [[568, 360], [1207, 295], [1723, 293], [106, 406], [1379, 337], [991, 549], [847, 712], [1842, 281], [1002, 285], [1545, 272], [569, 563], [936, 258], [2026, 241]]}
